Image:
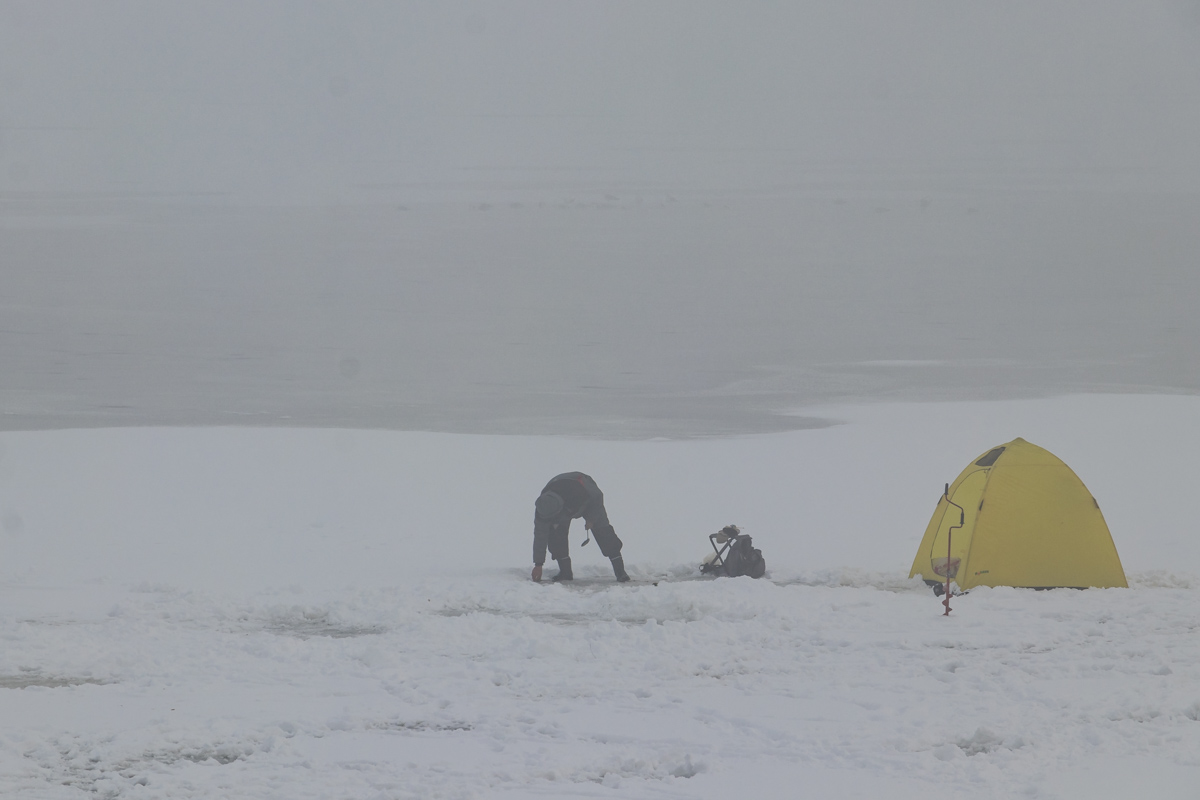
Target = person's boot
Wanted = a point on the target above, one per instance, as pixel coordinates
(618, 563)
(564, 571)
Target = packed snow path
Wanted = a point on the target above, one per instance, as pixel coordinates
(494, 686)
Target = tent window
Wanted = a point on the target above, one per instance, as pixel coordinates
(990, 458)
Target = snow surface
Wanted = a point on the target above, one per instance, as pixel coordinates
(273, 613)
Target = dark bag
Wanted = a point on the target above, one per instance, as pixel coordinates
(737, 557)
(744, 559)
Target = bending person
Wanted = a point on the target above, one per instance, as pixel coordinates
(566, 497)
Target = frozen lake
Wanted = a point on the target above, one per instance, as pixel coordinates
(632, 312)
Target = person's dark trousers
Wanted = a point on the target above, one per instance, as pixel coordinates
(606, 540)
(564, 571)
(610, 545)
(556, 540)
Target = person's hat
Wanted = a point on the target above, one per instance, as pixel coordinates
(548, 505)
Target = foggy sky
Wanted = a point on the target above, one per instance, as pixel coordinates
(641, 218)
(290, 99)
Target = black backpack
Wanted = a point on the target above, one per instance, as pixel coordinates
(744, 558)
(739, 556)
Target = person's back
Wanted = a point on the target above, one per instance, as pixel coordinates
(576, 489)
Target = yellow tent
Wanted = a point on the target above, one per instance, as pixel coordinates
(1026, 520)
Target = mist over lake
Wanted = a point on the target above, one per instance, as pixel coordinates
(618, 220)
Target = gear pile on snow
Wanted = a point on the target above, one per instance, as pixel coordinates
(733, 554)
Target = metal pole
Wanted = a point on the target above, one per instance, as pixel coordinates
(962, 520)
(946, 599)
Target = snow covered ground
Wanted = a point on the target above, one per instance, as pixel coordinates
(274, 613)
